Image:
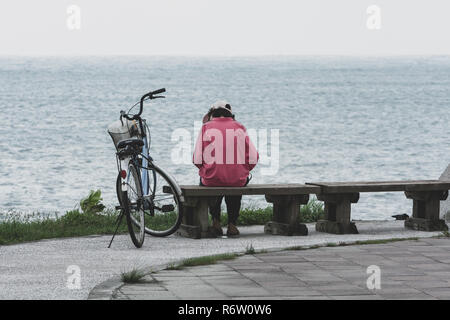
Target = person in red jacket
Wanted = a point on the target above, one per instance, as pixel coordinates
(225, 156)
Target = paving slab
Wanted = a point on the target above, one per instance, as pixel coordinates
(438, 293)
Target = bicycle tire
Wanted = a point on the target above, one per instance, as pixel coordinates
(119, 190)
(134, 214)
(178, 211)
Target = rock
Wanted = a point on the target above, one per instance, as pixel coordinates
(426, 225)
(445, 205)
(400, 216)
(284, 229)
(336, 227)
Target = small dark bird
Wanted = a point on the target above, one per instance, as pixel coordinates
(400, 216)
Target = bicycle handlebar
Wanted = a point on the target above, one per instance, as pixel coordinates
(150, 95)
(162, 90)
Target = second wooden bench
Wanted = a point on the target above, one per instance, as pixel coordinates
(338, 197)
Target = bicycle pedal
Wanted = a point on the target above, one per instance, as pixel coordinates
(167, 189)
(146, 205)
(167, 208)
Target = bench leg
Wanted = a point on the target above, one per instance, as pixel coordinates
(285, 215)
(195, 223)
(337, 213)
(425, 215)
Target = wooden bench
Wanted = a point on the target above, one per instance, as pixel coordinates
(338, 197)
(286, 199)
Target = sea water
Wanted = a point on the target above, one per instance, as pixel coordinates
(339, 119)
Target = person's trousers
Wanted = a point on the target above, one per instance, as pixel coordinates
(233, 206)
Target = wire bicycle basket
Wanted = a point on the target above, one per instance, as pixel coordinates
(124, 129)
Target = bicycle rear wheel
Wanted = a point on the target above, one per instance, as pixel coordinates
(132, 203)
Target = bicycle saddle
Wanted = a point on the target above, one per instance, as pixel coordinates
(133, 142)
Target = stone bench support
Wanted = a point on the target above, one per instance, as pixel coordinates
(195, 222)
(425, 215)
(337, 213)
(286, 210)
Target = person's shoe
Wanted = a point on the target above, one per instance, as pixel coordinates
(217, 228)
(232, 231)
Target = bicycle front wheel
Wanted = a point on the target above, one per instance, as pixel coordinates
(164, 213)
(132, 204)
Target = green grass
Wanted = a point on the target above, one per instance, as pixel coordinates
(250, 249)
(362, 242)
(315, 246)
(206, 260)
(384, 241)
(312, 211)
(17, 229)
(173, 266)
(90, 221)
(331, 244)
(91, 218)
(133, 276)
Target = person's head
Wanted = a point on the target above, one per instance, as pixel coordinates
(221, 109)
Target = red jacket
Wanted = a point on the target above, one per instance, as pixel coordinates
(224, 153)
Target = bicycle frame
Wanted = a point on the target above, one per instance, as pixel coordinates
(145, 167)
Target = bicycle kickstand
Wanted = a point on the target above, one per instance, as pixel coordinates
(118, 221)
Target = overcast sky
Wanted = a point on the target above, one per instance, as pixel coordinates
(231, 27)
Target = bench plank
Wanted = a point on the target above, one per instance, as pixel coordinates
(381, 186)
(253, 189)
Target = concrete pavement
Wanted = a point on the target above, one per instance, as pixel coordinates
(408, 270)
(44, 269)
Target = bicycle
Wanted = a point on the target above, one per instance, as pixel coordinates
(149, 197)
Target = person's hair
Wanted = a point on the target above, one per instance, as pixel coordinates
(220, 112)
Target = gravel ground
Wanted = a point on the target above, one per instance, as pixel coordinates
(39, 270)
